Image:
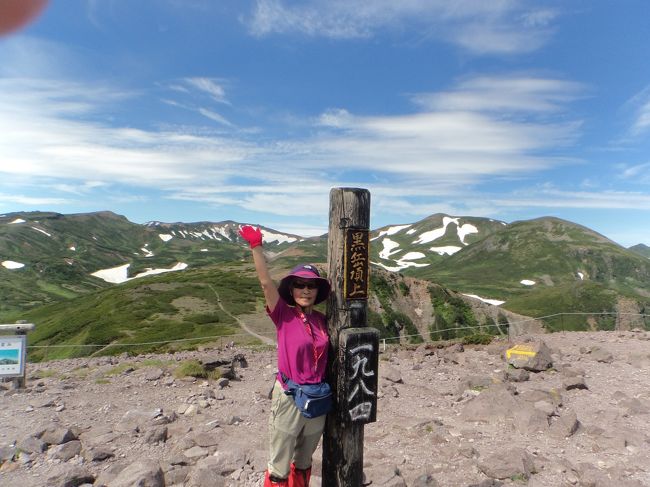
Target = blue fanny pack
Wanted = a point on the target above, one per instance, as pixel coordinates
(312, 400)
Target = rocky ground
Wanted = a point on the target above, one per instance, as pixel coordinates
(448, 417)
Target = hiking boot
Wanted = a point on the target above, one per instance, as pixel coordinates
(299, 477)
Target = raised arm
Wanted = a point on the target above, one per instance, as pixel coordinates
(254, 238)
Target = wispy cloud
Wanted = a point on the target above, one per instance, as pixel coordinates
(642, 122)
(210, 86)
(523, 94)
(557, 198)
(639, 173)
(478, 26)
(22, 199)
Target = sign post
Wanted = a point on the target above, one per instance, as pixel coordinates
(353, 368)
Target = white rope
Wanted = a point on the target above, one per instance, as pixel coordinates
(214, 337)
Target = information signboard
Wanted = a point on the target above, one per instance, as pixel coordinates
(12, 355)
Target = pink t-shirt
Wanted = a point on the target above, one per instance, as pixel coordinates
(301, 357)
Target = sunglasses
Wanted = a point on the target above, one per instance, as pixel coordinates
(303, 285)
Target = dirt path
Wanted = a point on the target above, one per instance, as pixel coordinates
(264, 339)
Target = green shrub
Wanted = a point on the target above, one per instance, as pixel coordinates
(477, 339)
(190, 368)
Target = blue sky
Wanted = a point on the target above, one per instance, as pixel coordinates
(192, 110)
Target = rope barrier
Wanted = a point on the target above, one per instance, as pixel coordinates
(271, 334)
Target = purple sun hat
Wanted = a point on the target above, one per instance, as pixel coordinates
(304, 271)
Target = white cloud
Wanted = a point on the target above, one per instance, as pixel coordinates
(514, 94)
(210, 86)
(639, 173)
(556, 198)
(32, 200)
(51, 133)
(212, 115)
(642, 122)
(476, 25)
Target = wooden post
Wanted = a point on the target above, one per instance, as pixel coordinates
(354, 351)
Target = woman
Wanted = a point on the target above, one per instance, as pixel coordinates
(303, 344)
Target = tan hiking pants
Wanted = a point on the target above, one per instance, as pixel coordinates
(292, 437)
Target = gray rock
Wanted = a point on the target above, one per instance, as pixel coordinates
(575, 382)
(57, 435)
(206, 439)
(390, 373)
(496, 402)
(546, 407)
(142, 473)
(510, 463)
(154, 374)
(97, 453)
(635, 406)
(474, 382)
(226, 462)
(177, 475)
(32, 445)
(565, 425)
(533, 355)
(517, 375)
(195, 453)
(70, 476)
(425, 480)
(157, 434)
(107, 476)
(601, 355)
(7, 453)
(66, 451)
(529, 419)
(135, 420)
(206, 474)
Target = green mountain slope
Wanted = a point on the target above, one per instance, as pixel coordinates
(174, 306)
(641, 249)
(544, 266)
(428, 241)
(59, 253)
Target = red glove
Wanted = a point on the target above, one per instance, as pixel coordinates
(252, 235)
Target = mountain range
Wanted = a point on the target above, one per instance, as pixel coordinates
(532, 268)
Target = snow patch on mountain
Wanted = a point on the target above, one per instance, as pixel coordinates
(449, 250)
(494, 302)
(149, 272)
(114, 275)
(436, 233)
(16, 221)
(413, 256)
(10, 264)
(146, 251)
(392, 231)
(464, 230)
(390, 247)
(73, 248)
(42, 231)
(165, 237)
(268, 237)
(401, 264)
(119, 274)
(527, 282)
(581, 276)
